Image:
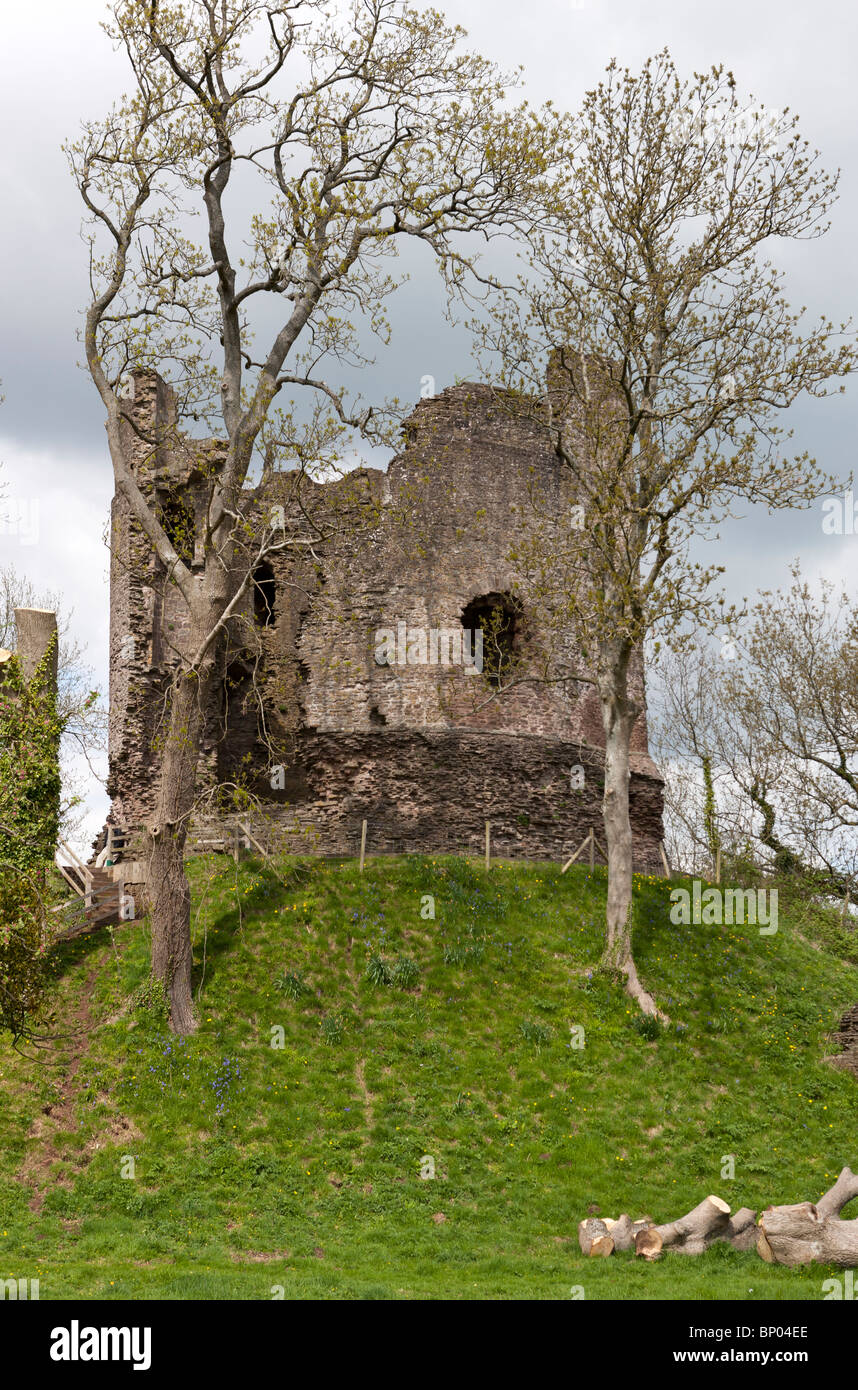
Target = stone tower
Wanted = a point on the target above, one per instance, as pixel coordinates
(358, 675)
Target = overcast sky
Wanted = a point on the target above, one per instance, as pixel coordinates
(57, 68)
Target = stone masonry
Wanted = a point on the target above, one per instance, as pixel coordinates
(418, 748)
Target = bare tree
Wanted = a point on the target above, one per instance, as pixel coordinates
(775, 732)
(670, 350)
(795, 694)
(355, 127)
(712, 767)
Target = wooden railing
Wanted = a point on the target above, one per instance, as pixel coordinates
(84, 888)
(79, 876)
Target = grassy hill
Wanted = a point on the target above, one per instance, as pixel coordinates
(297, 1167)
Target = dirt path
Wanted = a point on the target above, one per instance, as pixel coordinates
(43, 1149)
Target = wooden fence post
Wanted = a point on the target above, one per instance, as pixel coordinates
(580, 850)
(362, 844)
(251, 839)
(592, 849)
(488, 845)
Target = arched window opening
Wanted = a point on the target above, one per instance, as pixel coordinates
(498, 616)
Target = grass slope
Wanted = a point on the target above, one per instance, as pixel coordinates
(294, 1170)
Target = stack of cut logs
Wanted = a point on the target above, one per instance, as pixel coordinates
(789, 1235)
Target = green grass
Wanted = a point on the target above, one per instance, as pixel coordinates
(298, 1167)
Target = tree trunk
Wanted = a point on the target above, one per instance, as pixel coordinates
(710, 809)
(36, 629)
(691, 1234)
(800, 1234)
(169, 893)
(742, 1230)
(618, 717)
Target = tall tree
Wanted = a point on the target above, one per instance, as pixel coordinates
(349, 129)
(670, 350)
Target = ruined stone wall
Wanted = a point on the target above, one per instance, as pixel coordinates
(421, 751)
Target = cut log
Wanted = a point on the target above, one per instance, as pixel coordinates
(623, 1231)
(798, 1234)
(648, 1243)
(806, 1233)
(690, 1235)
(741, 1230)
(694, 1233)
(594, 1237)
(832, 1202)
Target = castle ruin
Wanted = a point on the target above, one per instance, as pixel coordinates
(354, 670)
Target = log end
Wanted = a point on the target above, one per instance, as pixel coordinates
(648, 1243)
(764, 1250)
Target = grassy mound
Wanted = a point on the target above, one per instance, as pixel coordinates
(383, 1103)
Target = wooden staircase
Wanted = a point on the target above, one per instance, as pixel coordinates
(98, 894)
(103, 906)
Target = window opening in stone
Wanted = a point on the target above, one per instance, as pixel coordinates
(237, 684)
(177, 519)
(264, 594)
(498, 616)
